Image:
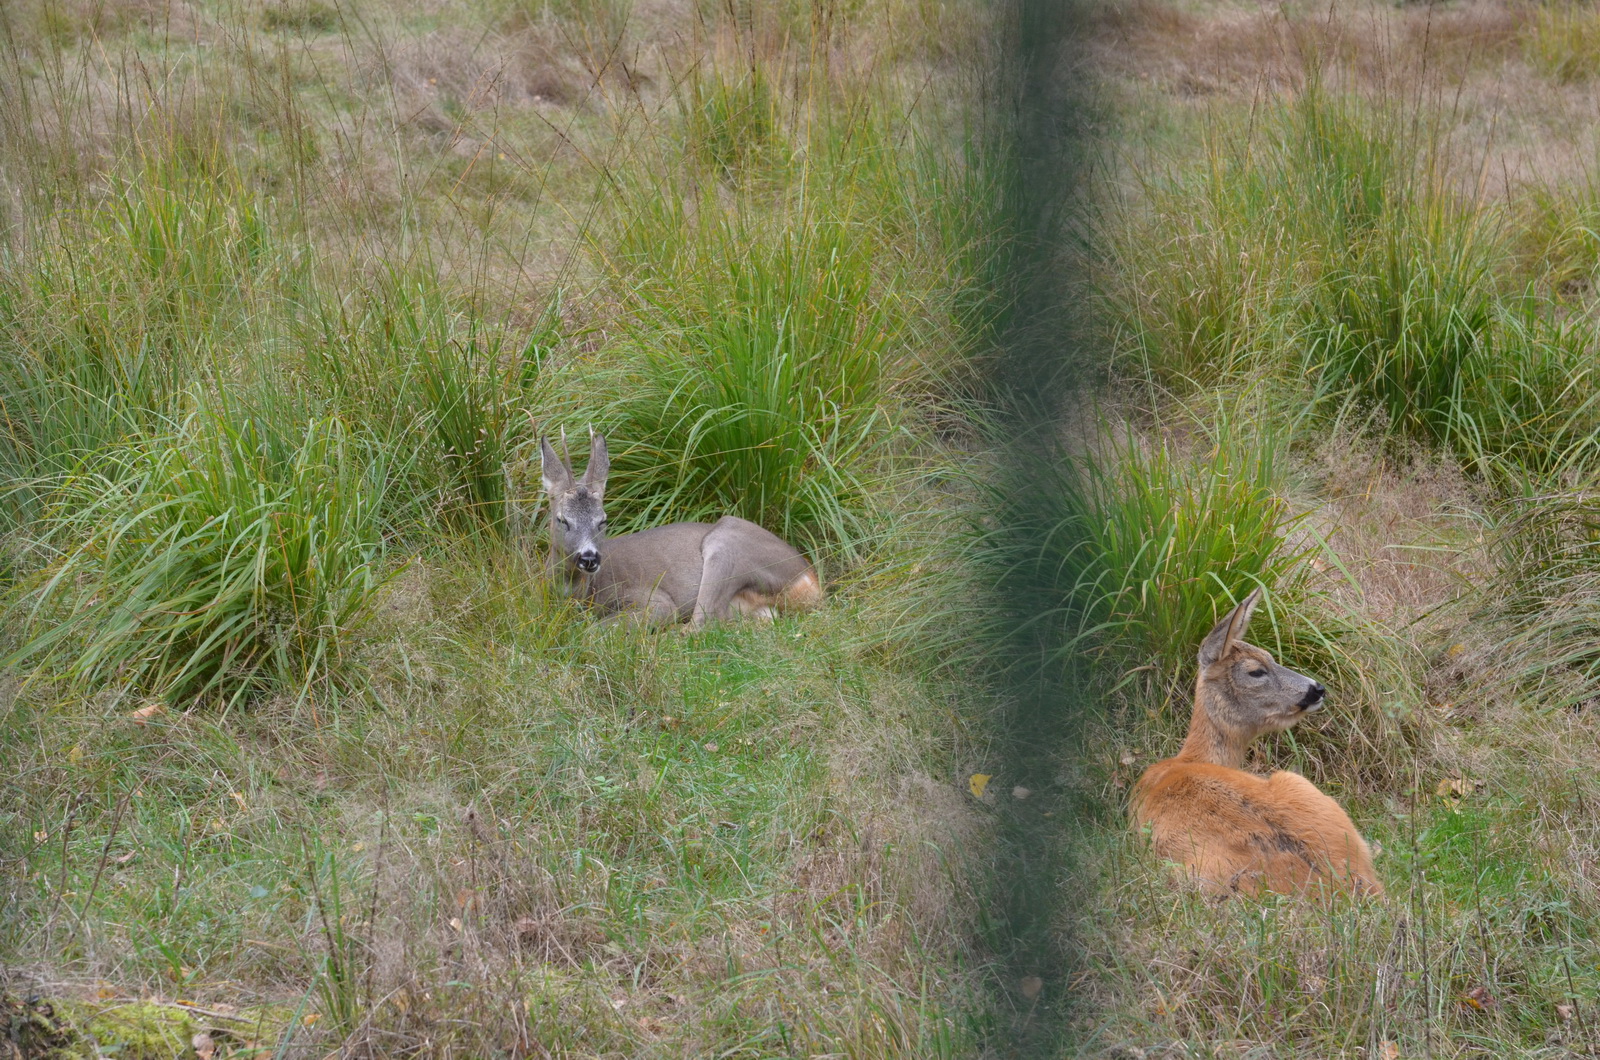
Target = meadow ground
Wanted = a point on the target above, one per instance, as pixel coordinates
(1348, 262)
(294, 730)
(303, 758)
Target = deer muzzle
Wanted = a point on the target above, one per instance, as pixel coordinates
(588, 561)
(1313, 697)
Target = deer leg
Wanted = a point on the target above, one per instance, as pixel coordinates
(720, 579)
(648, 608)
(753, 605)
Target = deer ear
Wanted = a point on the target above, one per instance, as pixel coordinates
(594, 476)
(553, 470)
(1229, 630)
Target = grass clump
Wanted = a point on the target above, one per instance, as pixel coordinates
(1328, 253)
(429, 379)
(227, 559)
(1400, 322)
(112, 309)
(302, 16)
(1139, 549)
(732, 122)
(1214, 262)
(1563, 42)
(762, 377)
(1546, 597)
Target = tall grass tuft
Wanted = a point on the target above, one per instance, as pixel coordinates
(761, 379)
(1140, 549)
(232, 557)
(432, 381)
(111, 314)
(1546, 598)
(1325, 250)
(1401, 321)
(732, 122)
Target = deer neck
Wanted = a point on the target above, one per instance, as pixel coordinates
(1207, 742)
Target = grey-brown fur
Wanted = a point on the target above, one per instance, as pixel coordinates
(681, 572)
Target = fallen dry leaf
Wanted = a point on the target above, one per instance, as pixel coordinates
(977, 783)
(1030, 986)
(1565, 1013)
(1388, 1050)
(1020, 792)
(1477, 999)
(204, 1047)
(148, 711)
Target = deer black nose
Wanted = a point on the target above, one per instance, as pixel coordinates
(588, 561)
(1313, 695)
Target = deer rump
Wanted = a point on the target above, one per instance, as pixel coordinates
(1240, 833)
(741, 567)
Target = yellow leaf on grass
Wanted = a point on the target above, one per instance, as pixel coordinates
(145, 713)
(977, 783)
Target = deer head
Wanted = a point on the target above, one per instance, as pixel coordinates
(1242, 692)
(577, 509)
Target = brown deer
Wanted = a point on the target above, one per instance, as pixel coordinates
(1237, 831)
(694, 572)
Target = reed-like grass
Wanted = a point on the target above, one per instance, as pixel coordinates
(229, 558)
(731, 121)
(759, 385)
(1141, 547)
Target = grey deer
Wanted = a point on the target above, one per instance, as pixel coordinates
(694, 572)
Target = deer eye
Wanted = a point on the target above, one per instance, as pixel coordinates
(1258, 673)
(565, 524)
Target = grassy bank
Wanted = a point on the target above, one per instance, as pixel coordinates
(288, 292)
(1349, 293)
(294, 730)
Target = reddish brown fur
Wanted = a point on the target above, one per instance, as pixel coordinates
(802, 594)
(1236, 831)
